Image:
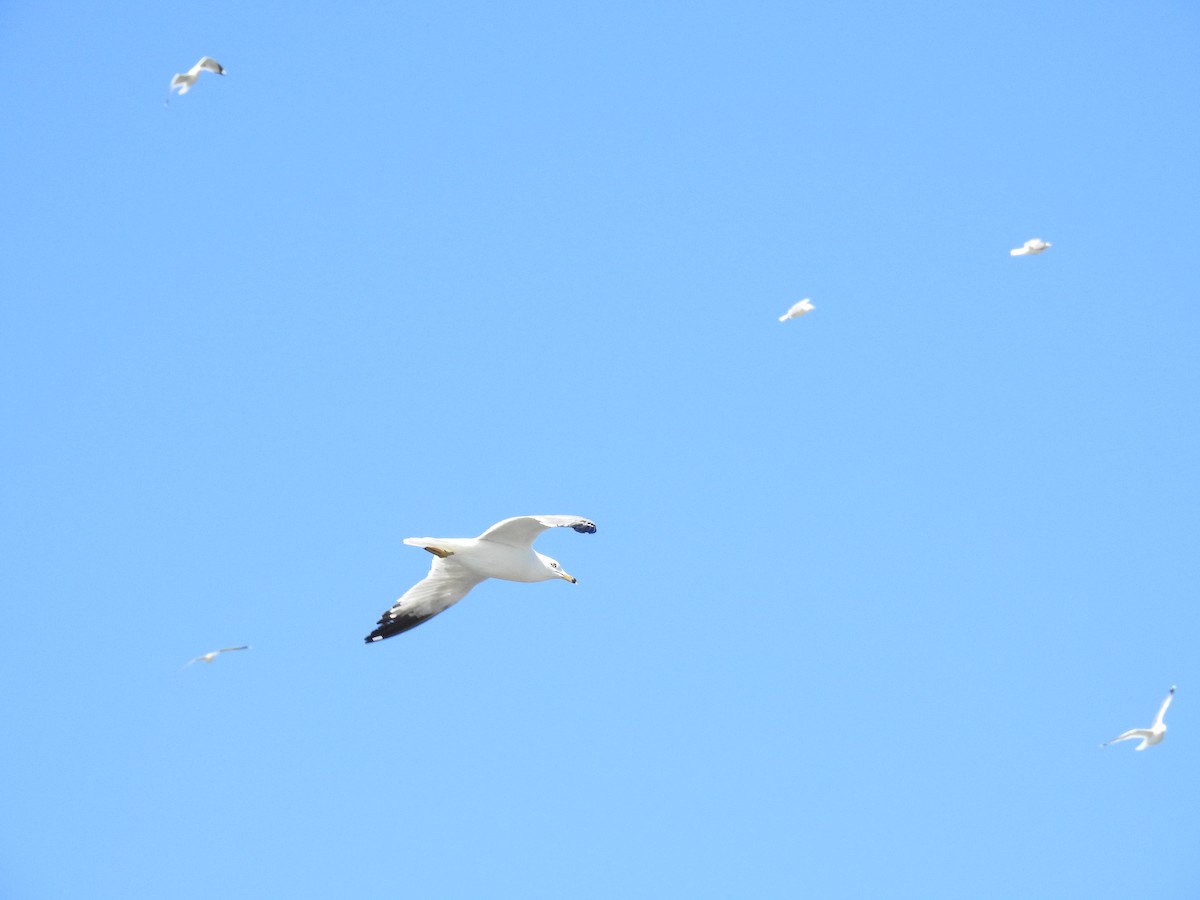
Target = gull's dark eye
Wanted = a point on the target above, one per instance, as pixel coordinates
(554, 565)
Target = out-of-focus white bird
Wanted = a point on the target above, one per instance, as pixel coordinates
(209, 657)
(798, 310)
(1149, 736)
(185, 80)
(1031, 248)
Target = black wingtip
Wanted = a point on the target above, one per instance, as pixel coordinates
(391, 627)
(585, 528)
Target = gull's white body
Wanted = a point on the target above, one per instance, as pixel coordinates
(209, 657)
(504, 551)
(1031, 248)
(1149, 736)
(183, 82)
(799, 309)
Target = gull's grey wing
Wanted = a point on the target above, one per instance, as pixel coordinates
(521, 531)
(207, 62)
(448, 582)
(227, 649)
(1163, 709)
(1129, 735)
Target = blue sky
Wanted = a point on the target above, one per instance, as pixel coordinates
(868, 588)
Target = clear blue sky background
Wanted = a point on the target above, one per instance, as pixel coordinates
(869, 588)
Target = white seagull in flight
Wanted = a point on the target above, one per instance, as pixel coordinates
(504, 551)
(185, 80)
(1149, 736)
(797, 310)
(1031, 248)
(209, 657)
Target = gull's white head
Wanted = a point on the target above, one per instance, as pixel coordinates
(554, 569)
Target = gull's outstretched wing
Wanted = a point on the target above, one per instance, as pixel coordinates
(207, 62)
(1129, 735)
(1020, 251)
(210, 656)
(1163, 709)
(179, 81)
(521, 531)
(448, 582)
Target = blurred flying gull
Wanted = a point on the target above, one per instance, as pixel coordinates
(185, 80)
(797, 310)
(1031, 248)
(1149, 736)
(504, 551)
(209, 657)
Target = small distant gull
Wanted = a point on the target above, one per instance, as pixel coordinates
(1149, 736)
(185, 80)
(1031, 248)
(209, 657)
(504, 551)
(797, 310)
